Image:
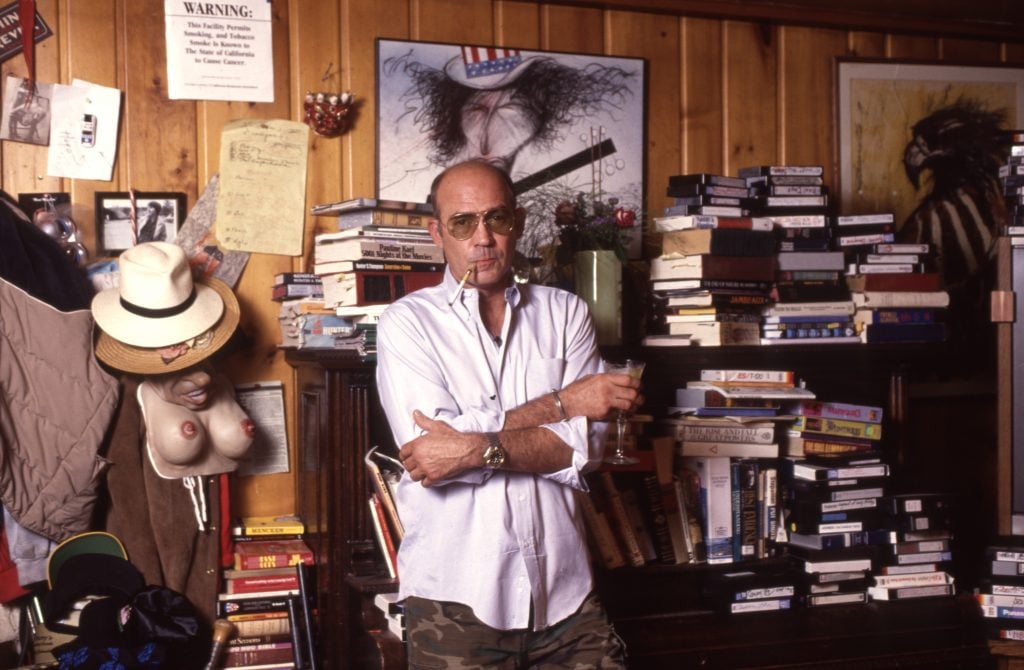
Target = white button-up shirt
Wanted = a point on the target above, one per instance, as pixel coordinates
(490, 539)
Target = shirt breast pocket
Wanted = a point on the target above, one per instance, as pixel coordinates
(543, 376)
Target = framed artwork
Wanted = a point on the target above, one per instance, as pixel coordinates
(889, 112)
(559, 123)
(156, 217)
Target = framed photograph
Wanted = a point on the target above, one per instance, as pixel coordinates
(559, 123)
(25, 117)
(890, 114)
(155, 217)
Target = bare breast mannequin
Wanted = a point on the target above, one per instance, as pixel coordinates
(194, 426)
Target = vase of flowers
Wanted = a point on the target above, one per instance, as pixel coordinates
(591, 240)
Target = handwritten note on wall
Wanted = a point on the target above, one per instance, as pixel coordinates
(261, 196)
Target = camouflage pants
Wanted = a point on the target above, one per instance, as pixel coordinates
(447, 635)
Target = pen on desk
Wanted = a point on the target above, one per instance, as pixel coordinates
(462, 283)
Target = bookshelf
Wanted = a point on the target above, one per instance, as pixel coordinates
(655, 607)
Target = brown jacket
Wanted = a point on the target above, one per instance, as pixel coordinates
(55, 407)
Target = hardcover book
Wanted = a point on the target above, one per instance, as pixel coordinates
(327, 248)
(718, 241)
(257, 526)
(750, 268)
(370, 288)
(271, 554)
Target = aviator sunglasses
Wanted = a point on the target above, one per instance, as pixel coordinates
(500, 221)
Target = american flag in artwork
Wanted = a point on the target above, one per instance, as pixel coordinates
(482, 61)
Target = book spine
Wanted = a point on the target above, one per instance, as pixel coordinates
(665, 547)
(257, 584)
(600, 532)
(276, 625)
(272, 559)
(296, 278)
(373, 288)
(747, 528)
(383, 250)
(383, 491)
(620, 521)
(699, 433)
(716, 501)
(687, 483)
(254, 605)
(833, 410)
(839, 427)
(383, 534)
(634, 512)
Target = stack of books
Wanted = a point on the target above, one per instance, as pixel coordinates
(823, 428)
(706, 194)
(726, 426)
(1001, 593)
(765, 587)
(811, 322)
(385, 471)
(356, 212)
(307, 323)
(291, 285)
(381, 251)
(897, 291)
(785, 190)
(833, 524)
(1012, 176)
(714, 272)
(917, 559)
(263, 594)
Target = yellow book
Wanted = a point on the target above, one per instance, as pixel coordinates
(256, 526)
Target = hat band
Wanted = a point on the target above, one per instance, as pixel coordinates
(160, 313)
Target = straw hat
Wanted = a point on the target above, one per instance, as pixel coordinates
(157, 304)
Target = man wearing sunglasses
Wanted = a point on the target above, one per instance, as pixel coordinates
(494, 391)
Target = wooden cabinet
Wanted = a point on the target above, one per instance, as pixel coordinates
(655, 608)
(339, 420)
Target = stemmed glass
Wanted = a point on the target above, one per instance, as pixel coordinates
(634, 369)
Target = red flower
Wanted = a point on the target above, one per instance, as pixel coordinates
(625, 218)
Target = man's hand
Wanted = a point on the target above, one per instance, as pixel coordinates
(439, 453)
(600, 396)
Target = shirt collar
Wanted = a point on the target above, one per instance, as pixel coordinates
(451, 291)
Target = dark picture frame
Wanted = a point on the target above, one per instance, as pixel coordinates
(594, 143)
(158, 216)
(877, 104)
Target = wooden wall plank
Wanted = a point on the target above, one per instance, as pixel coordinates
(160, 135)
(970, 51)
(702, 105)
(82, 28)
(362, 23)
(913, 47)
(433, 21)
(750, 53)
(517, 24)
(261, 360)
(315, 55)
(807, 81)
(573, 29)
(655, 39)
(866, 45)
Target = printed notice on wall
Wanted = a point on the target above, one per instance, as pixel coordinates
(264, 403)
(219, 50)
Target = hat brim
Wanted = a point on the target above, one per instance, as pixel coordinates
(147, 361)
(455, 69)
(93, 542)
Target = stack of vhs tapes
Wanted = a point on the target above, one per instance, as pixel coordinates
(1001, 594)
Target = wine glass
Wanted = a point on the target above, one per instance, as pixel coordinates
(634, 369)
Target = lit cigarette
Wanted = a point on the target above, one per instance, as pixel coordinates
(462, 283)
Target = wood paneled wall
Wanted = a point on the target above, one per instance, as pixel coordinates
(721, 94)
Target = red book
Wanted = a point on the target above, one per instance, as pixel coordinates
(884, 281)
(271, 554)
(261, 583)
(387, 543)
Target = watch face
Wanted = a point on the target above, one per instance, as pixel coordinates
(494, 454)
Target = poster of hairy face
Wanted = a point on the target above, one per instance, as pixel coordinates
(560, 124)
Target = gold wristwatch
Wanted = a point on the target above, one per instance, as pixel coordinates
(494, 454)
